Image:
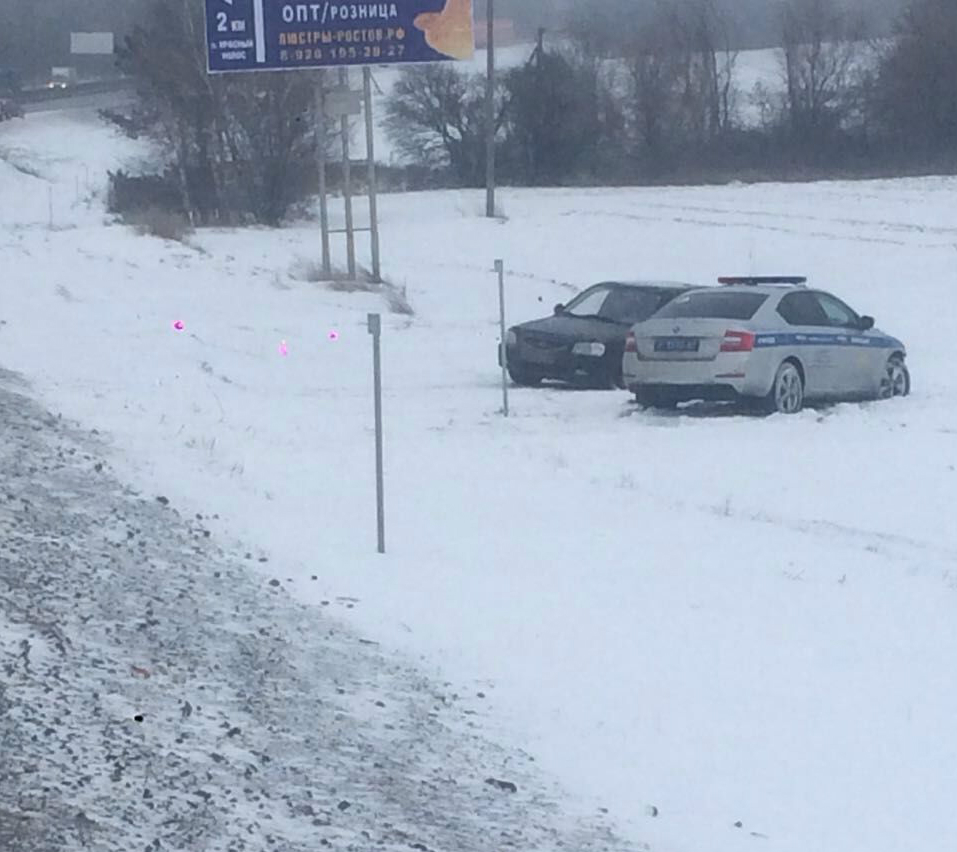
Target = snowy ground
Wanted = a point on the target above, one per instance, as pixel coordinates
(731, 632)
(158, 694)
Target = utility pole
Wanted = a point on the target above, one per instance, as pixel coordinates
(490, 112)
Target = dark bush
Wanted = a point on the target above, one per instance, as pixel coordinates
(156, 222)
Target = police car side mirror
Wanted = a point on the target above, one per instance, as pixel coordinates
(559, 309)
(866, 323)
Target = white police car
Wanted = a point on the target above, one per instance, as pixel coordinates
(770, 339)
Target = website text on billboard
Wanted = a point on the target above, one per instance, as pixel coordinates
(270, 35)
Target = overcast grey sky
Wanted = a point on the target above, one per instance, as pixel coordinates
(757, 20)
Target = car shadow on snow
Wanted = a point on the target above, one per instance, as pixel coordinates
(700, 409)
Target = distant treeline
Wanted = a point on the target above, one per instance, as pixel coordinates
(757, 22)
(649, 99)
(654, 98)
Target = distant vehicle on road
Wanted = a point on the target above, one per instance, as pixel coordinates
(62, 77)
(583, 342)
(765, 339)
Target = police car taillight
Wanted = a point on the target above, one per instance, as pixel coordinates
(737, 341)
(631, 345)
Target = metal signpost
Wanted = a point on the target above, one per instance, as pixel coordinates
(347, 180)
(321, 167)
(490, 110)
(503, 349)
(375, 329)
(370, 156)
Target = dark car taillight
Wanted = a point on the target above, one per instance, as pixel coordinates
(631, 344)
(737, 341)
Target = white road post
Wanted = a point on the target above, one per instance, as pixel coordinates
(375, 329)
(500, 269)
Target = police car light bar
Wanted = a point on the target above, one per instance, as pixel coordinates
(755, 280)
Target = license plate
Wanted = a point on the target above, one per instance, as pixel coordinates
(676, 344)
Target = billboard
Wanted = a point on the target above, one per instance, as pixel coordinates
(278, 35)
(92, 44)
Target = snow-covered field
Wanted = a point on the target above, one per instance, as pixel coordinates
(730, 632)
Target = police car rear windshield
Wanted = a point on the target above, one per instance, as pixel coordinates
(719, 304)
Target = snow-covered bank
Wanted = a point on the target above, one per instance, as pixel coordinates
(158, 694)
(711, 619)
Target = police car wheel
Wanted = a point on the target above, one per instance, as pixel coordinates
(787, 391)
(896, 378)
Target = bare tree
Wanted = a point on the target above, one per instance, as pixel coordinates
(821, 51)
(915, 92)
(654, 75)
(563, 121)
(435, 116)
(239, 144)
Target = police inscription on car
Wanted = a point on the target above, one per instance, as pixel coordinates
(676, 344)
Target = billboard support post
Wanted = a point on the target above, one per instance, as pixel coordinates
(321, 163)
(347, 183)
(370, 150)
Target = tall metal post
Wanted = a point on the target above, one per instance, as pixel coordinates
(500, 269)
(370, 149)
(490, 112)
(375, 329)
(321, 164)
(347, 184)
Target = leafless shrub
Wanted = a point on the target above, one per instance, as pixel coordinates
(156, 222)
(340, 281)
(397, 299)
(307, 269)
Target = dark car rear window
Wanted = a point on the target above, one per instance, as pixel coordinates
(718, 304)
(634, 304)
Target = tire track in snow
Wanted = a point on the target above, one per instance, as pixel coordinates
(755, 226)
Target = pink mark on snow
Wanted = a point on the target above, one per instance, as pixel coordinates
(283, 348)
(179, 325)
(333, 335)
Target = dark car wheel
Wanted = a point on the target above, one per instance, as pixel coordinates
(608, 378)
(524, 376)
(896, 378)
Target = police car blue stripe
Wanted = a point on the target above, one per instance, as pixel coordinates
(791, 339)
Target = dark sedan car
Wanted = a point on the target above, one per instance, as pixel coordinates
(584, 341)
